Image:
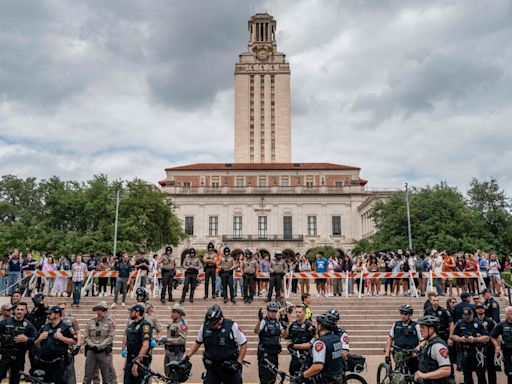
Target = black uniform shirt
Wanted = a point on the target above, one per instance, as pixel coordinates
(136, 333)
(473, 328)
(51, 348)
(445, 319)
(503, 329)
(492, 309)
(9, 329)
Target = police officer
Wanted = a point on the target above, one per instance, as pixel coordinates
(70, 320)
(404, 334)
(489, 324)
(227, 266)
(249, 269)
(471, 336)
(504, 349)
(277, 270)
(209, 269)
(225, 347)
(191, 265)
(300, 335)
(98, 339)
(37, 318)
(15, 298)
(167, 265)
(434, 362)
(176, 337)
(445, 326)
(326, 353)
(156, 326)
(343, 335)
(270, 330)
(54, 341)
(16, 335)
(136, 344)
(141, 295)
(465, 298)
(492, 307)
(6, 310)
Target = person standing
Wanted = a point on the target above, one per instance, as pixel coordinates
(104, 266)
(142, 267)
(489, 324)
(176, 340)
(17, 335)
(54, 340)
(78, 271)
(191, 265)
(37, 317)
(504, 348)
(227, 266)
(445, 327)
(295, 269)
(124, 268)
(70, 320)
(300, 334)
(136, 344)
(277, 270)
(492, 307)
(321, 267)
(98, 340)
(304, 266)
(249, 269)
(61, 282)
(209, 269)
(223, 355)
(14, 273)
(167, 265)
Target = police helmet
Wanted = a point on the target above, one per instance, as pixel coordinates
(142, 294)
(272, 306)
(168, 249)
(278, 255)
(192, 251)
(406, 308)
(179, 371)
(248, 253)
(210, 246)
(327, 321)
(213, 314)
(227, 250)
(335, 314)
(429, 321)
(38, 300)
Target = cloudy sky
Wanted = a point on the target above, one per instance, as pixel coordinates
(417, 91)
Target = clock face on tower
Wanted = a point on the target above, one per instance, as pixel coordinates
(262, 54)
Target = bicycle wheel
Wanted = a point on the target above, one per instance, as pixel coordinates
(354, 378)
(383, 374)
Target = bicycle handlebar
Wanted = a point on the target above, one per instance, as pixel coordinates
(157, 375)
(32, 379)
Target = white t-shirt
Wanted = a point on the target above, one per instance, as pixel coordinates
(263, 323)
(438, 264)
(418, 333)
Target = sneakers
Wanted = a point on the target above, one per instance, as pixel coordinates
(113, 305)
(317, 295)
(123, 304)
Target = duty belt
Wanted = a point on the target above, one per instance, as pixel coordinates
(175, 348)
(51, 361)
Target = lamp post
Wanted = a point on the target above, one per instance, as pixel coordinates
(116, 221)
(408, 215)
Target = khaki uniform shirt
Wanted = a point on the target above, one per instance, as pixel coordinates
(154, 323)
(177, 332)
(278, 266)
(250, 266)
(192, 262)
(99, 333)
(209, 257)
(167, 262)
(226, 263)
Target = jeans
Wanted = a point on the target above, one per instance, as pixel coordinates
(77, 291)
(439, 287)
(237, 281)
(121, 285)
(12, 278)
(218, 285)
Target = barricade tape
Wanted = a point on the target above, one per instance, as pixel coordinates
(467, 275)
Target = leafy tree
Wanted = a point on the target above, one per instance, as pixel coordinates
(326, 249)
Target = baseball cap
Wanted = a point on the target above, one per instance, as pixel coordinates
(54, 309)
(7, 307)
(487, 290)
(464, 295)
(480, 305)
(137, 307)
(467, 312)
(101, 305)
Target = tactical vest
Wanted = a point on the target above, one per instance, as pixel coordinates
(38, 317)
(406, 336)
(51, 348)
(442, 316)
(220, 344)
(507, 335)
(12, 329)
(333, 365)
(270, 337)
(299, 333)
(134, 336)
(429, 364)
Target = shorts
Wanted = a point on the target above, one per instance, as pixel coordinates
(320, 281)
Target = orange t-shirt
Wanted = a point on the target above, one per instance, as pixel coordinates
(449, 264)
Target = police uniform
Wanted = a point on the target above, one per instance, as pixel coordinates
(406, 336)
(269, 347)
(13, 354)
(504, 329)
(98, 338)
(489, 324)
(459, 309)
(191, 265)
(277, 271)
(137, 332)
(300, 333)
(469, 351)
(53, 355)
(492, 309)
(175, 344)
(250, 267)
(445, 319)
(221, 350)
(327, 350)
(209, 272)
(433, 356)
(226, 274)
(70, 320)
(168, 272)
(112, 370)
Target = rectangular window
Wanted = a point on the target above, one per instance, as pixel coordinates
(285, 181)
(336, 225)
(187, 185)
(311, 225)
(213, 225)
(287, 227)
(237, 227)
(240, 180)
(262, 227)
(338, 184)
(262, 181)
(189, 225)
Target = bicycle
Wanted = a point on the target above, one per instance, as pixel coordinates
(36, 378)
(400, 374)
(176, 377)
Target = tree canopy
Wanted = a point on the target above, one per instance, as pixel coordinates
(70, 217)
(443, 218)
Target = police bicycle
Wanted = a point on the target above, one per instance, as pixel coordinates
(400, 374)
(351, 378)
(36, 378)
(180, 372)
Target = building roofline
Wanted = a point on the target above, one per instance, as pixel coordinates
(264, 167)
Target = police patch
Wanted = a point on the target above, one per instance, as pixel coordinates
(146, 328)
(345, 339)
(319, 347)
(495, 305)
(183, 327)
(443, 352)
(475, 325)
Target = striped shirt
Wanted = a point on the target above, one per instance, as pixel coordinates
(79, 270)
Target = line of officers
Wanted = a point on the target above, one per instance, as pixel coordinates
(468, 336)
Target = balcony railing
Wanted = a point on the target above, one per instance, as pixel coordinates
(263, 238)
(233, 190)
